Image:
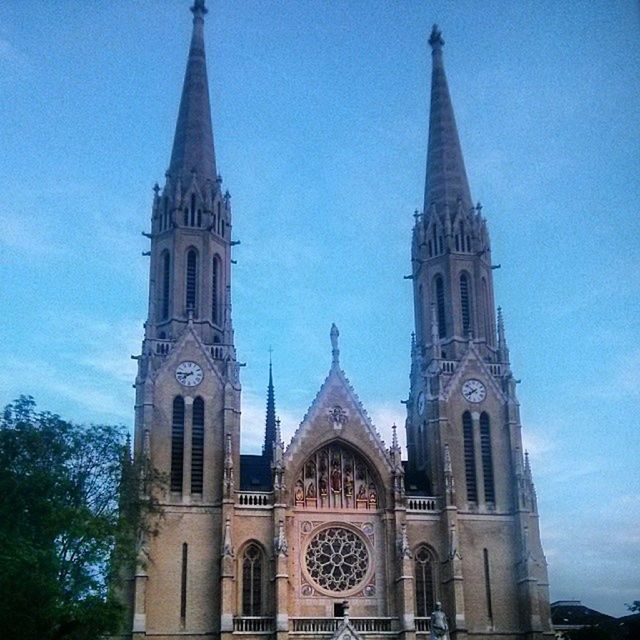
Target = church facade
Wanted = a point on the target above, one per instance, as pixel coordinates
(332, 534)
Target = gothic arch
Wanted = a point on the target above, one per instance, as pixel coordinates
(252, 583)
(440, 300)
(425, 566)
(466, 303)
(191, 277)
(216, 290)
(338, 475)
(165, 284)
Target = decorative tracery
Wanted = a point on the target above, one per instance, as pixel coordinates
(337, 559)
(338, 478)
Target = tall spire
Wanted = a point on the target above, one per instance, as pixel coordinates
(271, 427)
(193, 140)
(446, 181)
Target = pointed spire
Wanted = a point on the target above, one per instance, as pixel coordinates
(503, 349)
(446, 180)
(271, 427)
(193, 141)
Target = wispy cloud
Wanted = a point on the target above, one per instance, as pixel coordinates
(23, 237)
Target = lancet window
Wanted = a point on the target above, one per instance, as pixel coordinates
(487, 459)
(469, 457)
(465, 304)
(252, 581)
(177, 443)
(197, 445)
(215, 291)
(335, 477)
(191, 280)
(442, 321)
(425, 582)
(166, 276)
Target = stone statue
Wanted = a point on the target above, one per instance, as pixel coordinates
(438, 627)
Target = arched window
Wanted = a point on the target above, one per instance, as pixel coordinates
(177, 443)
(483, 311)
(164, 285)
(191, 280)
(487, 460)
(465, 304)
(420, 311)
(442, 324)
(215, 291)
(425, 582)
(193, 209)
(197, 445)
(469, 457)
(336, 477)
(252, 581)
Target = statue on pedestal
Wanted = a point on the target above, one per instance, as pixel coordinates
(438, 627)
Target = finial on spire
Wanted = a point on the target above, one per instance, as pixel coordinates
(334, 334)
(198, 9)
(435, 39)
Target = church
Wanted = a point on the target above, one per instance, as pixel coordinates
(333, 534)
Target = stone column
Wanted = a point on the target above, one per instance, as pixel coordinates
(281, 567)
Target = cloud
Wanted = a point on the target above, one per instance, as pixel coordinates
(60, 387)
(23, 237)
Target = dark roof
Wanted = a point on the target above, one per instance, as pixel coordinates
(255, 473)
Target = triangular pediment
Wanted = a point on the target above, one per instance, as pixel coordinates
(472, 363)
(188, 346)
(336, 412)
(346, 631)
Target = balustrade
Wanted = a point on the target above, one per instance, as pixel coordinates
(422, 625)
(253, 624)
(330, 625)
(254, 499)
(425, 504)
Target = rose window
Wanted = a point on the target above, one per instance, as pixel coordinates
(337, 559)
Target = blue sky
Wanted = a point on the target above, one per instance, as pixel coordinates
(320, 118)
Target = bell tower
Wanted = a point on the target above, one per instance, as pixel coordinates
(191, 221)
(187, 415)
(463, 425)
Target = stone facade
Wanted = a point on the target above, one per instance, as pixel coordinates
(334, 534)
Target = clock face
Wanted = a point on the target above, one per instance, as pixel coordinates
(422, 403)
(474, 391)
(189, 374)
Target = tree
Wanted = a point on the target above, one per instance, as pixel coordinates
(72, 509)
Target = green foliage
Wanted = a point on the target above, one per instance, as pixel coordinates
(71, 514)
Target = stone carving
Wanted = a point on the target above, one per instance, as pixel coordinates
(335, 477)
(338, 417)
(438, 626)
(280, 546)
(404, 550)
(227, 546)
